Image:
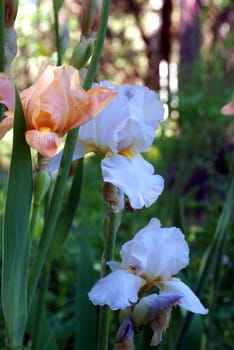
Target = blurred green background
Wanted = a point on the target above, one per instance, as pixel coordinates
(184, 50)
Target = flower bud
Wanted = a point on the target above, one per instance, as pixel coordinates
(125, 335)
(41, 184)
(159, 326)
(90, 16)
(82, 53)
(114, 197)
(149, 307)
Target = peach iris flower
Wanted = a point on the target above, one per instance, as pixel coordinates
(7, 98)
(56, 103)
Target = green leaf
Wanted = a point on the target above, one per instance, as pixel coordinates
(86, 315)
(57, 4)
(211, 260)
(68, 212)
(38, 326)
(16, 234)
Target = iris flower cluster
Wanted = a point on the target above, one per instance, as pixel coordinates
(143, 284)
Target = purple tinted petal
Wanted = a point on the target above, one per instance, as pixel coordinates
(148, 307)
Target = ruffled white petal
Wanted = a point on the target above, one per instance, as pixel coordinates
(135, 135)
(118, 290)
(129, 121)
(156, 252)
(144, 105)
(101, 132)
(189, 300)
(134, 177)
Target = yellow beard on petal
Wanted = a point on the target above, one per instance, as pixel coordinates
(127, 153)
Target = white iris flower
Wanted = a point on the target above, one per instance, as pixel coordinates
(119, 134)
(149, 260)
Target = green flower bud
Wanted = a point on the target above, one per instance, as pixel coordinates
(90, 17)
(82, 53)
(41, 184)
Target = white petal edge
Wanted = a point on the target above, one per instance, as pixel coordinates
(189, 300)
(135, 177)
(118, 290)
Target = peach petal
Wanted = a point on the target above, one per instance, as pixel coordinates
(99, 98)
(6, 125)
(46, 143)
(228, 109)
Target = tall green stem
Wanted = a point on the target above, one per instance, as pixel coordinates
(101, 34)
(53, 214)
(56, 8)
(111, 224)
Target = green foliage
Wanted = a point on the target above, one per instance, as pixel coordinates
(16, 239)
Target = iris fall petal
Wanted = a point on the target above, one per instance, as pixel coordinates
(189, 300)
(46, 143)
(118, 290)
(135, 177)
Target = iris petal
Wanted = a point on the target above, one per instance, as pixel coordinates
(118, 290)
(134, 177)
(155, 252)
(46, 143)
(189, 300)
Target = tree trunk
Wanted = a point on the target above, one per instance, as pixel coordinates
(189, 32)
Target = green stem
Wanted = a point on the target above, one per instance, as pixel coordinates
(53, 214)
(110, 228)
(101, 34)
(57, 35)
(34, 217)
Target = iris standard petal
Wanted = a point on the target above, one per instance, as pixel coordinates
(155, 252)
(135, 177)
(118, 290)
(101, 133)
